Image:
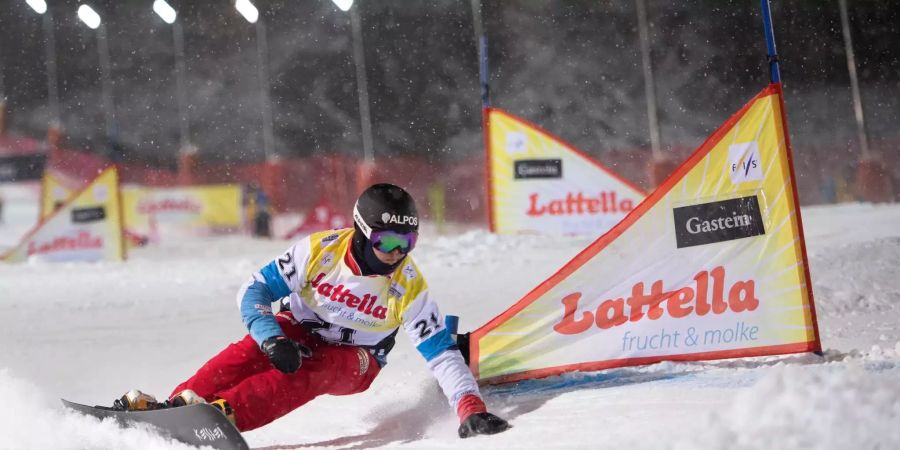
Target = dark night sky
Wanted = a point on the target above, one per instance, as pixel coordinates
(573, 67)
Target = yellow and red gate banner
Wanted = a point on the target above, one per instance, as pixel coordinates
(86, 227)
(538, 183)
(191, 208)
(711, 265)
(56, 188)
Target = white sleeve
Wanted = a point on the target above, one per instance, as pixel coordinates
(277, 279)
(286, 273)
(291, 266)
(424, 325)
(454, 376)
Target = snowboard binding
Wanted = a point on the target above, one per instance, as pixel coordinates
(135, 400)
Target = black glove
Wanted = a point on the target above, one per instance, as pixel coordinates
(482, 423)
(285, 354)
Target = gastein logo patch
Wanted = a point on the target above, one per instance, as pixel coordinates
(720, 221)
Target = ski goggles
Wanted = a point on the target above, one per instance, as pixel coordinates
(387, 241)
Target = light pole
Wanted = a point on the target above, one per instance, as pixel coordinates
(660, 166)
(169, 15)
(40, 7)
(246, 8)
(649, 85)
(92, 20)
(362, 90)
(873, 179)
(861, 131)
(2, 102)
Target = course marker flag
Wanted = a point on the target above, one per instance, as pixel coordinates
(87, 227)
(321, 217)
(538, 183)
(711, 265)
(55, 190)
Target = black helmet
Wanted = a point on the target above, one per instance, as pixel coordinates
(385, 207)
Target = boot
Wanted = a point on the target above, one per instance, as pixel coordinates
(186, 397)
(135, 400)
(222, 405)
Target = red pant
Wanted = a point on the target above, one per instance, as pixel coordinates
(259, 393)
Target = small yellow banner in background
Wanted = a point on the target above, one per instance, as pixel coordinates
(538, 183)
(195, 208)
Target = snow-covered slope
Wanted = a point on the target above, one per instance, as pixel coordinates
(89, 332)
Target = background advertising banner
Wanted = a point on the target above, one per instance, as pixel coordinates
(712, 265)
(196, 208)
(538, 183)
(22, 167)
(88, 227)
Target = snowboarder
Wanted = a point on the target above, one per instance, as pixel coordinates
(345, 294)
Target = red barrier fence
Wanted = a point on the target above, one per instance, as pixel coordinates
(824, 175)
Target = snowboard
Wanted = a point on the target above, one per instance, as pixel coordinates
(197, 425)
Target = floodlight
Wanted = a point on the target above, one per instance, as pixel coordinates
(164, 11)
(89, 16)
(344, 5)
(247, 10)
(39, 6)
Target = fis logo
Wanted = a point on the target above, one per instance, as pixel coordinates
(744, 163)
(516, 142)
(327, 258)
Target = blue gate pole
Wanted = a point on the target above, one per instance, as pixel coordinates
(482, 45)
(452, 324)
(484, 73)
(774, 69)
